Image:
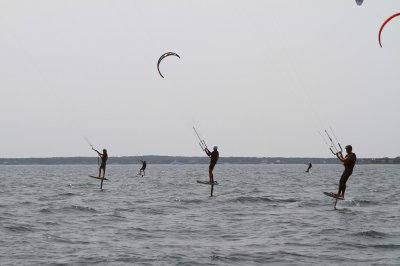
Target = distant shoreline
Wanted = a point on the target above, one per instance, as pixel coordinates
(159, 159)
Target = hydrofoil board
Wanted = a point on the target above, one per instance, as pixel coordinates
(92, 176)
(333, 195)
(206, 182)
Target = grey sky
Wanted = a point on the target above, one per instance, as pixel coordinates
(257, 78)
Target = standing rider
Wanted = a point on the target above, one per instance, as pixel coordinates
(103, 156)
(309, 167)
(143, 168)
(214, 156)
(348, 161)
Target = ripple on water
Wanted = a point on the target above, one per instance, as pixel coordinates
(261, 199)
(371, 234)
(76, 209)
(20, 228)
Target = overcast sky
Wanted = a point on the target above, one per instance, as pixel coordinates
(257, 78)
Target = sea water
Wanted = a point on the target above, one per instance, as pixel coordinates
(259, 215)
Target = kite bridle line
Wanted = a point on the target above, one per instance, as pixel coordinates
(332, 143)
(326, 143)
(91, 146)
(332, 147)
(202, 143)
(334, 135)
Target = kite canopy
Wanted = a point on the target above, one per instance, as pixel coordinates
(162, 57)
(383, 25)
(359, 2)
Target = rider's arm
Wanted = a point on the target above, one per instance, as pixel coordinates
(340, 156)
(97, 152)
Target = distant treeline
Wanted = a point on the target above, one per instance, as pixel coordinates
(156, 159)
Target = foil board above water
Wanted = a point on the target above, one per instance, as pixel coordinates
(333, 195)
(206, 182)
(92, 176)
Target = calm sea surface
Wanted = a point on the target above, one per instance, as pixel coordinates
(259, 215)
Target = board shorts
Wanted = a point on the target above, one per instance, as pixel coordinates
(103, 166)
(345, 176)
(212, 165)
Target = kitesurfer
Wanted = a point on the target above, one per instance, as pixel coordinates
(309, 167)
(348, 161)
(144, 164)
(103, 160)
(214, 156)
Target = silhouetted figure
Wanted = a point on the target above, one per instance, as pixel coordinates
(142, 170)
(103, 160)
(309, 167)
(214, 156)
(348, 161)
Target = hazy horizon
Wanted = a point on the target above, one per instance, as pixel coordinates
(146, 157)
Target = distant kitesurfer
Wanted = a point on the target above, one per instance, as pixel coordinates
(214, 156)
(142, 170)
(309, 167)
(348, 161)
(103, 158)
